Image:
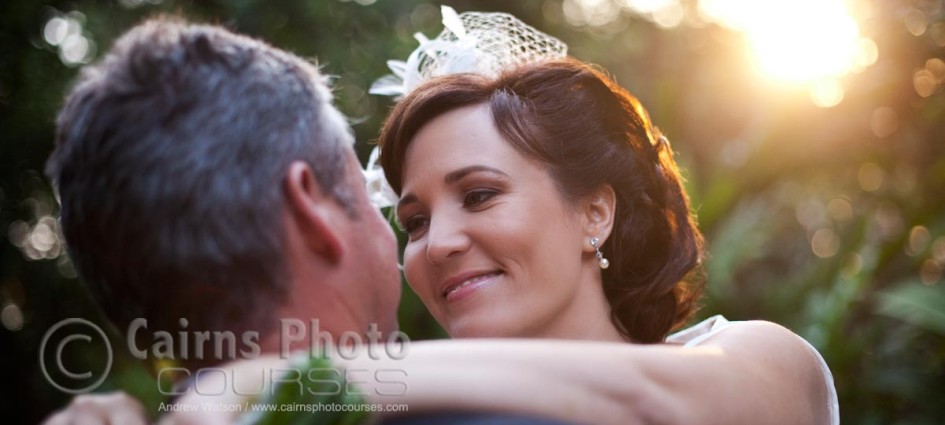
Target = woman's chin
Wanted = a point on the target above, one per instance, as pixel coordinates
(478, 328)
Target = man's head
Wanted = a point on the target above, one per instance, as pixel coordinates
(183, 160)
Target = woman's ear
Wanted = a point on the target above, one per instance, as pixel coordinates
(313, 212)
(597, 213)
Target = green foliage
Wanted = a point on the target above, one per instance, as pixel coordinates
(915, 304)
(324, 386)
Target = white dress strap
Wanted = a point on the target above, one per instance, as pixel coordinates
(702, 331)
(695, 335)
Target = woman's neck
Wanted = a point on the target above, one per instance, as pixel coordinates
(587, 318)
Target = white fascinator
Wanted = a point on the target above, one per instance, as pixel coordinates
(471, 42)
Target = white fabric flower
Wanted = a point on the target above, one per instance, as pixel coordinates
(473, 42)
(379, 191)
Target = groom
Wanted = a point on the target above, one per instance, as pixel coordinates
(205, 175)
(207, 183)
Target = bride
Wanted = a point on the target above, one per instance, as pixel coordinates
(540, 202)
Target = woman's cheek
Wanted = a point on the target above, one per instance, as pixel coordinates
(415, 271)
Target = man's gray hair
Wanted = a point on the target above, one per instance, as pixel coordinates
(169, 162)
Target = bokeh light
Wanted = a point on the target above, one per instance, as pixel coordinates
(930, 272)
(56, 30)
(928, 80)
(664, 13)
(932, 268)
(595, 13)
(884, 121)
(65, 33)
(825, 243)
(938, 250)
(12, 317)
(919, 238)
(840, 209)
(870, 177)
(811, 213)
(40, 241)
(916, 21)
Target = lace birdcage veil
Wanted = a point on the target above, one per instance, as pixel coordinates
(475, 42)
(471, 42)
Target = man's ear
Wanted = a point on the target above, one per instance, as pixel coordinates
(314, 212)
(597, 213)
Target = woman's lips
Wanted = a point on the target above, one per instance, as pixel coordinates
(465, 286)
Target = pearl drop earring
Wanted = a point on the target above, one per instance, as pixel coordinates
(601, 261)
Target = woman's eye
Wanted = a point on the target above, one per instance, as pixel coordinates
(414, 224)
(477, 197)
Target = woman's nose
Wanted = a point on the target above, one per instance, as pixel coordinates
(446, 238)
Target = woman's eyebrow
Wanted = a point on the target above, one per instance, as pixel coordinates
(457, 175)
(452, 178)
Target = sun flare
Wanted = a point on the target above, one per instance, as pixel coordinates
(798, 41)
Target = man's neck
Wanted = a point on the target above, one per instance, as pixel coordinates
(310, 334)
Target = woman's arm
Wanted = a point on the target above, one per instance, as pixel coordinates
(751, 373)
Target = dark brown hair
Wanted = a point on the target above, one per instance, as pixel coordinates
(590, 132)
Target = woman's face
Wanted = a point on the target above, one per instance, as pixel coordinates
(493, 248)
